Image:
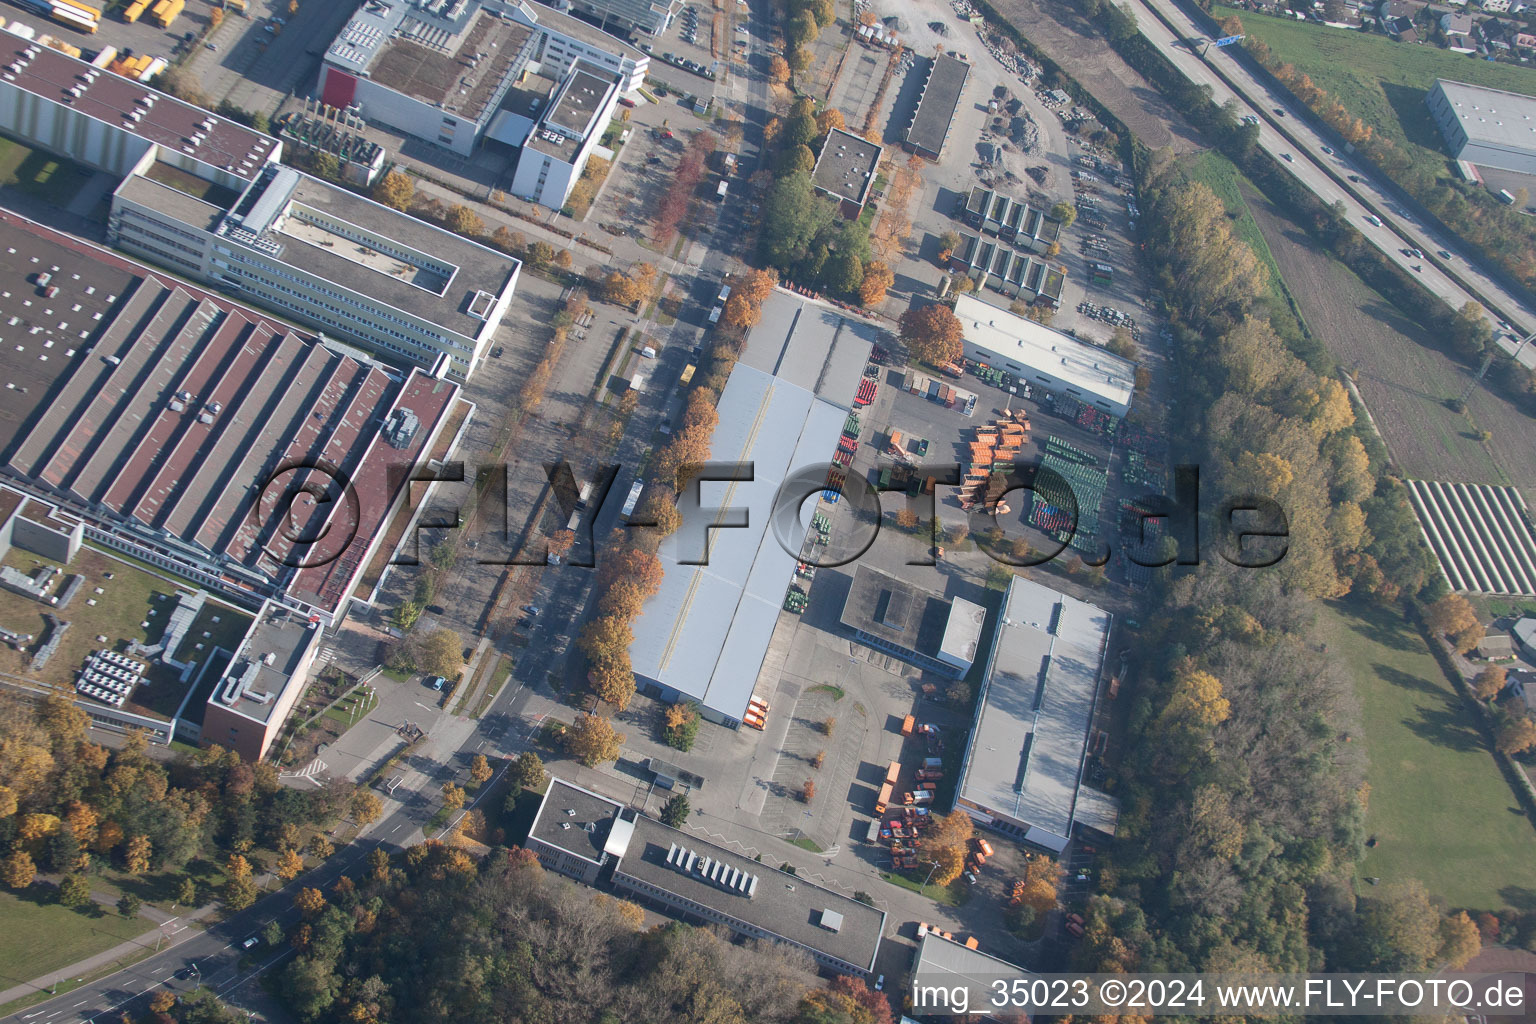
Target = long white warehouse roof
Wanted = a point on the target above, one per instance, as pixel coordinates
(1093, 371)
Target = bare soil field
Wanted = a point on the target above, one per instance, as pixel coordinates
(1064, 36)
(1404, 379)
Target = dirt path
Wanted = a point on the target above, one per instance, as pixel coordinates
(1404, 379)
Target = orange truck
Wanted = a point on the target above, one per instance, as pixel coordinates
(892, 773)
(883, 799)
(907, 724)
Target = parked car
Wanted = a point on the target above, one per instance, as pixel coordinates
(251, 943)
(437, 683)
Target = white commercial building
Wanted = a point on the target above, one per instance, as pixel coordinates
(1046, 357)
(1486, 127)
(1023, 771)
(556, 147)
(441, 71)
(318, 253)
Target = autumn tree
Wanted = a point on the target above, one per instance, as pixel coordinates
(480, 769)
(464, 221)
(612, 678)
(320, 847)
(778, 70)
(396, 190)
(365, 807)
(237, 867)
(591, 739)
(1064, 212)
(1516, 735)
(440, 653)
(1487, 683)
(877, 281)
(605, 637)
(1454, 618)
(136, 859)
(186, 892)
(453, 796)
(932, 333)
(290, 864)
(681, 725)
(1460, 940)
(808, 791)
(163, 999)
(946, 842)
(309, 901)
(17, 871)
(828, 119)
(527, 771)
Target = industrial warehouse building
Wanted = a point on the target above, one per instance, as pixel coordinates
(1044, 357)
(325, 256)
(1024, 761)
(1487, 127)
(947, 964)
(105, 121)
(936, 106)
(583, 835)
(913, 624)
(455, 74)
(151, 409)
(704, 635)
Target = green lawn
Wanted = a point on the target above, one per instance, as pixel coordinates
(1380, 81)
(49, 178)
(952, 895)
(1439, 808)
(44, 936)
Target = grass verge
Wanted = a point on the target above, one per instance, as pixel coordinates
(1439, 809)
(952, 895)
(38, 936)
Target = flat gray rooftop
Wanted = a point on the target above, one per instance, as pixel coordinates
(574, 820)
(846, 166)
(941, 961)
(586, 32)
(940, 99)
(895, 611)
(1027, 745)
(164, 199)
(478, 268)
(706, 632)
(421, 61)
(810, 345)
(251, 687)
(786, 905)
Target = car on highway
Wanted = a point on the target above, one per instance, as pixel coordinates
(1418, 254)
(1287, 158)
(1328, 150)
(251, 943)
(1356, 178)
(1445, 254)
(1279, 112)
(1373, 220)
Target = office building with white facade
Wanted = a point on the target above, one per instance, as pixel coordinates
(322, 255)
(557, 146)
(442, 70)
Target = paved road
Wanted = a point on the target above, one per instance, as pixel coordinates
(1458, 280)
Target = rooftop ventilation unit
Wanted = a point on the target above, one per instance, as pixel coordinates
(715, 872)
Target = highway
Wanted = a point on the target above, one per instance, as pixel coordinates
(1457, 281)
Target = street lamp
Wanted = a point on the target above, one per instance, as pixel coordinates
(933, 866)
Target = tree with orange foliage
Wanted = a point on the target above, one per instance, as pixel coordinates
(310, 901)
(778, 70)
(877, 281)
(829, 119)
